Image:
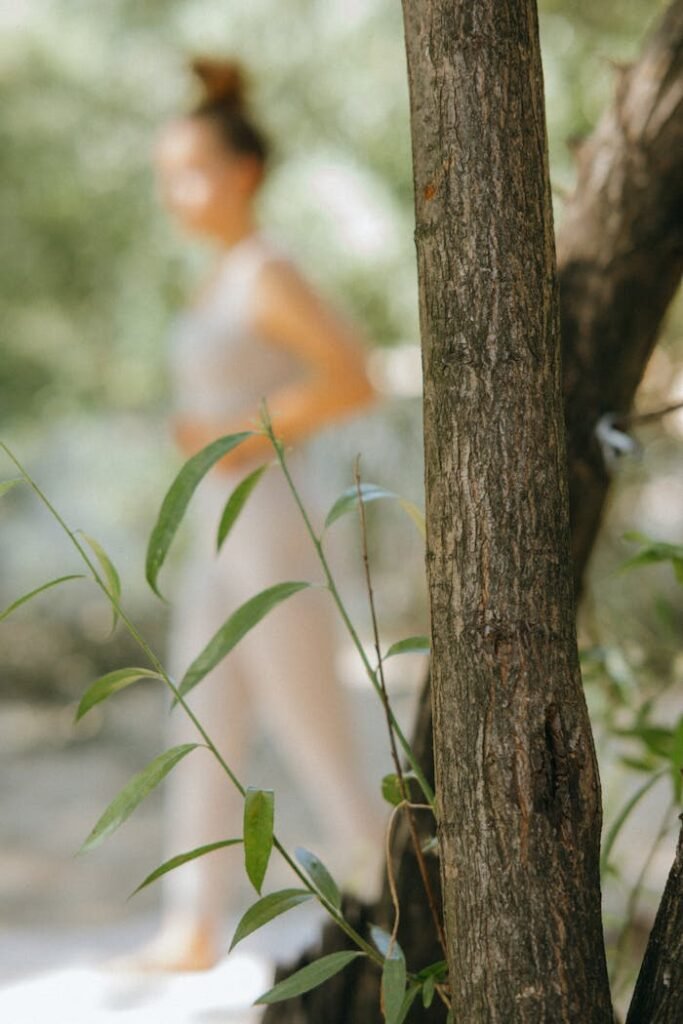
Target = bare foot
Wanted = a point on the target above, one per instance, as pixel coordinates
(179, 946)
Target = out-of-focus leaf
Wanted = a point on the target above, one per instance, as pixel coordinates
(236, 503)
(111, 575)
(7, 485)
(319, 875)
(623, 815)
(391, 787)
(268, 908)
(411, 645)
(32, 593)
(183, 858)
(310, 976)
(655, 551)
(178, 498)
(111, 683)
(258, 833)
(135, 792)
(348, 501)
(232, 631)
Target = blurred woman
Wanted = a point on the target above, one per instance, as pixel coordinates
(257, 329)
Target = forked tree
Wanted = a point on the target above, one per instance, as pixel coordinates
(519, 808)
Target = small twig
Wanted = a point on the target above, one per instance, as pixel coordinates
(633, 419)
(403, 786)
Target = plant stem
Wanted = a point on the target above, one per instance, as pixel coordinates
(331, 586)
(403, 786)
(159, 668)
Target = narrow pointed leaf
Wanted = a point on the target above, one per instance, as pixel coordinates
(411, 645)
(259, 807)
(232, 631)
(319, 875)
(183, 858)
(310, 976)
(7, 485)
(621, 818)
(268, 908)
(428, 989)
(236, 503)
(111, 683)
(393, 984)
(32, 593)
(178, 498)
(408, 1001)
(123, 805)
(348, 501)
(110, 574)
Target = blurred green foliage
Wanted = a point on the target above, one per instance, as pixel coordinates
(89, 269)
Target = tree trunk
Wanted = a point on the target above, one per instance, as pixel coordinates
(519, 810)
(620, 255)
(638, 183)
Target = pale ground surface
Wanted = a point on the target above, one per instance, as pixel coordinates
(63, 917)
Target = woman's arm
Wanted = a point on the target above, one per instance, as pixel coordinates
(291, 316)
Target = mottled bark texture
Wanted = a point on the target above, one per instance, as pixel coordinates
(620, 255)
(518, 791)
(636, 207)
(658, 997)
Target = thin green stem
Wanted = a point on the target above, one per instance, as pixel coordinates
(159, 668)
(336, 597)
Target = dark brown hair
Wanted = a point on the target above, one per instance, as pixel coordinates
(223, 103)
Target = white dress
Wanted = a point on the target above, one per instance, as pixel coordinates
(280, 675)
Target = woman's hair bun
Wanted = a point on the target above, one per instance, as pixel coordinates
(221, 80)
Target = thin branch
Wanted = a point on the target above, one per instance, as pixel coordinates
(403, 786)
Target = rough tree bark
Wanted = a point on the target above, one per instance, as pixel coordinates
(620, 256)
(628, 196)
(519, 807)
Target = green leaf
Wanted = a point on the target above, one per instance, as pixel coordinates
(232, 631)
(135, 792)
(7, 485)
(178, 497)
(319, 875)
(259, 807)
(393, 984)
(621, 818)
(236, 503)
(111, 683)
(391, 787)
(428, 989)
(32, 593)
(655, 551)
(268, 908)
(183, 858)
(348, 501)
(408, 1001)
(310, 976)
(411, 645)
(111, 575)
